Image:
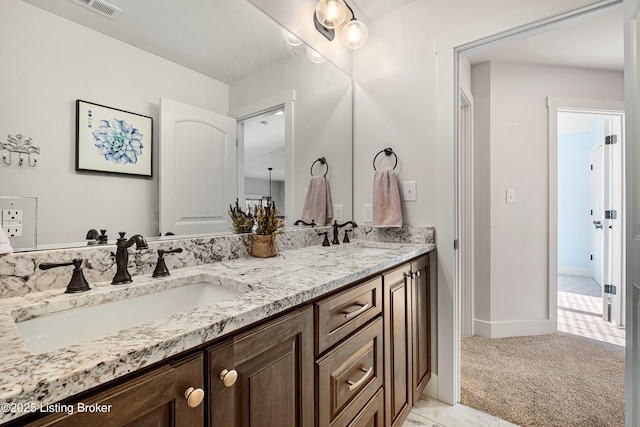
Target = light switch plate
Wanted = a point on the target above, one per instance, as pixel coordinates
(338, 212)
(367, 213)
(410, 191)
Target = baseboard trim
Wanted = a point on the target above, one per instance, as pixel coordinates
(574, 271)
(431, 390)
(483, 328)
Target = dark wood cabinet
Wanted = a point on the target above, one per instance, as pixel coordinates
(398, 345)
(265, 377)
(372, 341)
(156, 398)
(420, 325)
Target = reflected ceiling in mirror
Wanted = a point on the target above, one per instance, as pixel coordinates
(55, 52)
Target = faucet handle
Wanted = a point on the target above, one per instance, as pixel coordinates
(326, 238)
(161, 269)
(346, 236)
(77, 283)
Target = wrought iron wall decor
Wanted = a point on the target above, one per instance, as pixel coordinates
(21, 145)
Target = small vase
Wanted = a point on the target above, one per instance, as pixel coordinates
(264, 246)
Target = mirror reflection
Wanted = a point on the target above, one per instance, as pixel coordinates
(223, 56)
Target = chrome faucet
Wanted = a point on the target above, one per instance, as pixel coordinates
(122, 256)
(335, 240)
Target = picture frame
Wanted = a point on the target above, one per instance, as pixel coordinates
(113, 141)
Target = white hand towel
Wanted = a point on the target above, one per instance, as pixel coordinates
(317, 203)
(5, 245)
(387, 211)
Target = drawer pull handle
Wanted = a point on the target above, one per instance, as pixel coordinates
(367, 374)
(194, 397)
(354, 313)
(229, 377)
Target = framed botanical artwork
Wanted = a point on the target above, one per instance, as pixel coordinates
(112, 140)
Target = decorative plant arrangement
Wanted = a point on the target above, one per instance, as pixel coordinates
(268, 221)
(242, 221)
(263, 222)
(268, 224)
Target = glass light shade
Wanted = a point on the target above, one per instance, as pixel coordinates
(314, 56)
(354, 34)
(291, 39)
(331, 13)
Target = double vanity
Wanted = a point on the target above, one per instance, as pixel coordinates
(317, 336)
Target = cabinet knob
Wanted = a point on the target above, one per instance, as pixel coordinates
(194, 396)
(417, 273)
(228, 377)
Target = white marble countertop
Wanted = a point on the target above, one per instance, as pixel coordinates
(271, 286)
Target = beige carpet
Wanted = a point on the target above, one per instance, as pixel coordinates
(549, 380)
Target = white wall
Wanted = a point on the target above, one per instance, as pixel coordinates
(47, 63)
(512, 97)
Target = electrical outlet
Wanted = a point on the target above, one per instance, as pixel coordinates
(338, 212)
(13, 230)
(511, 195)
(368, 213)
(11, 215)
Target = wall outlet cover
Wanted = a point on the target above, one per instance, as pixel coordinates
(409, 191)
(338, 212)
(367, 213)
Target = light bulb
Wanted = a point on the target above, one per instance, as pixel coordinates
(354, 34)
(314, 56)
(291, 39)
(331, 13)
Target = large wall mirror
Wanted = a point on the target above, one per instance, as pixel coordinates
(223, 56)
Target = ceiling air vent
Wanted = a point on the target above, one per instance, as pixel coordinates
(101, 7)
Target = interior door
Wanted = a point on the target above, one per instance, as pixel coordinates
(198, 178)
(632, 221)
(613, 220)
(597, 217)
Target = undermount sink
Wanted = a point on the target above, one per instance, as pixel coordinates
(364, 249)
(55, 331)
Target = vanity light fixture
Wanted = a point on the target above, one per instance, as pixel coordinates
(290, 38)
(353, 34)
(314, 56)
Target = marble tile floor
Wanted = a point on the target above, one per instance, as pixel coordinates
(429, 412)
(580, 311)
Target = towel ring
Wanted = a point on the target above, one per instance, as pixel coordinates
(387, 151)
(322, 161)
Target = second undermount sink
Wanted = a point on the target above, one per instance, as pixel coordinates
(362, 248)
(55, 331)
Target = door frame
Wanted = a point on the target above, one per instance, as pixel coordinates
(449, 50)
(556, 105)
(286, 99)
(467, 215)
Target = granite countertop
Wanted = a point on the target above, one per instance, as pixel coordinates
(270, 286)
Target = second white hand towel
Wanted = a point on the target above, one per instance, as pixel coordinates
(317, 203)
(387, 211)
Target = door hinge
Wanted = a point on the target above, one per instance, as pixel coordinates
(591, 167)
(455, 245)
(612, 214)
(611, 139)
(591, 257)
(591, 212)
(610, 289)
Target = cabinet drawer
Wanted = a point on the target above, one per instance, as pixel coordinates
(350, 375)
(371, 416)
(340, 315)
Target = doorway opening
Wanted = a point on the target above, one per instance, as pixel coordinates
(590, 238)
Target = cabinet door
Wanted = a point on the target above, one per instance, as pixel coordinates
(275, 376)
(398, 343)
(156, 399)
(421, 325)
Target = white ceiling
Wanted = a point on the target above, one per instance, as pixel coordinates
(593, 41)
(223, 39)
